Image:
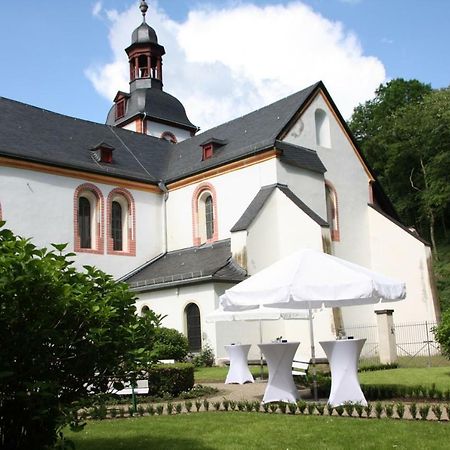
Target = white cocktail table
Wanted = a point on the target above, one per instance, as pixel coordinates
(343, 356)
(280, 386)
(238, 371)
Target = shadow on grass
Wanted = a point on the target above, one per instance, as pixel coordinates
(138, 443)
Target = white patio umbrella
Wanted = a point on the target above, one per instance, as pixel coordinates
(256, 313)
(310, 279)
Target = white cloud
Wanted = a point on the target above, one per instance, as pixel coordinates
(225, 62)
(96, 9)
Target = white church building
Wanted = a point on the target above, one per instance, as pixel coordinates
(181, 216)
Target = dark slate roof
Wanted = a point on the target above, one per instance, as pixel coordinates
(259, 201)
(245, 135)
(144, 34)
(210, 262)
(38, 135)
(155, 104)
(298, 156)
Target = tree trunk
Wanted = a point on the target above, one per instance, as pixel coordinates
(430, 212)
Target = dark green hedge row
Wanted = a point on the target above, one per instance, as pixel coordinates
(385, 392)
(170, 378)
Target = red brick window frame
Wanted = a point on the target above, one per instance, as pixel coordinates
(332, 210)
(95, 197)
(126, 201)
(204, 214)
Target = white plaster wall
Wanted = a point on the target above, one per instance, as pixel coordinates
(346, 173)
(308, 186)
(40, 205)
(399, 255)
(157, 129)
(235, 190)
(279, 229)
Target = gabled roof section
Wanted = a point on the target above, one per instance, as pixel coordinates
(211, 262)
(41, 136)
(260, 200)
(246, 135)
(298, 156)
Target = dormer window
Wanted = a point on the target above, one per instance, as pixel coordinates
(102, 152)
(121, 103)
(120, 109)
(207, 151)
(210, 146)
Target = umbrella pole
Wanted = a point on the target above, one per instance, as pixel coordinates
(260, 351)
(313, 354)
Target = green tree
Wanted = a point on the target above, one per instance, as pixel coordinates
(405, 135)
(64, 335)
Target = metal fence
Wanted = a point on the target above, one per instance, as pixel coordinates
(414, 341)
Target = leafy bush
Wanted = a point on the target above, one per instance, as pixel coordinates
(205, 358)
(442, 333)
(64, 335)
(170, 378)
(169, 343)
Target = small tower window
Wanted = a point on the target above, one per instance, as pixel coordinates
(143, 66)
(168, 136)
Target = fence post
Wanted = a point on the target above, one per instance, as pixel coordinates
(386, 336)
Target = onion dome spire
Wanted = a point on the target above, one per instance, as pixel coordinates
(143, 7)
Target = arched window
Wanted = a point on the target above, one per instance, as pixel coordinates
(84, 222)
(209, 217)
(204, 210)
(194, 332)
(121, 223)
(88, 219)
(116, 225)
(323, 137)
(332, 211)
(168, 136)
(145, 310)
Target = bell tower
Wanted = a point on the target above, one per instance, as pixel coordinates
(147, 108)
(145, 56)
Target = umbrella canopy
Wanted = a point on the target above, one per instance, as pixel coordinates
(258, 313)
(312, 279)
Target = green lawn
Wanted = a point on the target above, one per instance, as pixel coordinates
(218, 374)
(414, 376)
(234, 430)
(440, 376)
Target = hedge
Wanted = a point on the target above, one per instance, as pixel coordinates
(170, 378)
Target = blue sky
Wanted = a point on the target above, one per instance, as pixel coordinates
(53, 53)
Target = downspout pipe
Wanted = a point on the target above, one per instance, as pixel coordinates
(164, 189)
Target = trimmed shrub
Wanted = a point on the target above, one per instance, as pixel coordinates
(169, 344)
(170, 378)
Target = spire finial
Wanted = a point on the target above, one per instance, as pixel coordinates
(143, 7)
